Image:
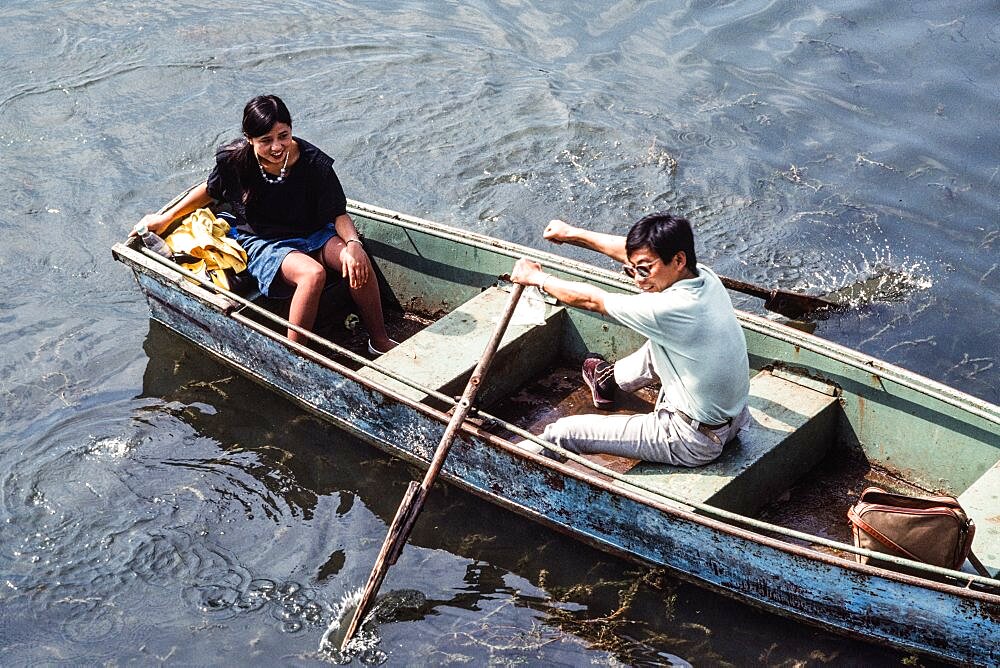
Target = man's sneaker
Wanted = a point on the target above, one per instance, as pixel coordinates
(599, 375)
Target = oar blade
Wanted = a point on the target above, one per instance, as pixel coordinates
(395, 539)
(792, 305)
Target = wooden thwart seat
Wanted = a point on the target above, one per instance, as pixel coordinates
(794, 425)
(980, 502)
(442, 356)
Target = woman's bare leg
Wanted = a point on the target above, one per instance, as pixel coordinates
(308, 277)
(366, 297)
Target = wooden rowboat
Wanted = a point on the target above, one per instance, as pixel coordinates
(825, 417)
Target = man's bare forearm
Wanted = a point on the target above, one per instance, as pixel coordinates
(612, 245)
(572, 293)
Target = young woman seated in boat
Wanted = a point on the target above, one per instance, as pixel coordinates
(289, 212)
(695, 347)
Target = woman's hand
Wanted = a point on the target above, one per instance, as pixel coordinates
(557, 231)
(155, 222)
(195, 198)
(355, 265)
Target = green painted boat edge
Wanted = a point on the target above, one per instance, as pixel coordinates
(791, 336)
(879, 400)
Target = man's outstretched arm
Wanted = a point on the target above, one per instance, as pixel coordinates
(612, 245)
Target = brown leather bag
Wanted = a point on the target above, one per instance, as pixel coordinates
(934, 530)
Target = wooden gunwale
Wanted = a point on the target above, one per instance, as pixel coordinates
(635, 490)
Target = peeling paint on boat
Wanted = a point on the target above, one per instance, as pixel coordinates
(943, 620)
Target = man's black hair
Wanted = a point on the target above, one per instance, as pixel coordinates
(665, 235)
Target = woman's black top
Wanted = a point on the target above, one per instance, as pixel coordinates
(309, 197)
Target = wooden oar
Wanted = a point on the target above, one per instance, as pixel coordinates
(413, 500)
(784, 302)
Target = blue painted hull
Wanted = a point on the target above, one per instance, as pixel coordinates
(942, 620)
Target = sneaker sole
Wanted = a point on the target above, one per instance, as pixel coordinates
(599, 401)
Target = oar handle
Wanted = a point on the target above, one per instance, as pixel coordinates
(462, 409)
(472, 388)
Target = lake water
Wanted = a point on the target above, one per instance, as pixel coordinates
(155, 508)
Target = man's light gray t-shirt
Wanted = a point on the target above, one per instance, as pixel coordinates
(699, 351)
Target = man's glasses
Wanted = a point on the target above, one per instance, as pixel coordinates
(632, 270)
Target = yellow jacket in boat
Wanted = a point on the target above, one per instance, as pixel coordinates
(203, 236)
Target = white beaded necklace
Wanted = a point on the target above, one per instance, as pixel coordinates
(274, 179)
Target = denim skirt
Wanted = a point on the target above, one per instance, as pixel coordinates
(264, 257)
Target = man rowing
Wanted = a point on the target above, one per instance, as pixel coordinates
(695, 347)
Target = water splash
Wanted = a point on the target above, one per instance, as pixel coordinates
(293, 606)
(879, 279)
(114, 447)
(389, 607)
(364, 639)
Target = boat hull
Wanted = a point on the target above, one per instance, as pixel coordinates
(942, 620)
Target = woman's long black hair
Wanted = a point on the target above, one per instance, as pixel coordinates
(259, 116)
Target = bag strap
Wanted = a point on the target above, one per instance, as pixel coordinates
(877, 495)
(879, 536)
(978, 565)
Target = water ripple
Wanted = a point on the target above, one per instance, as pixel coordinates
(154, 518)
